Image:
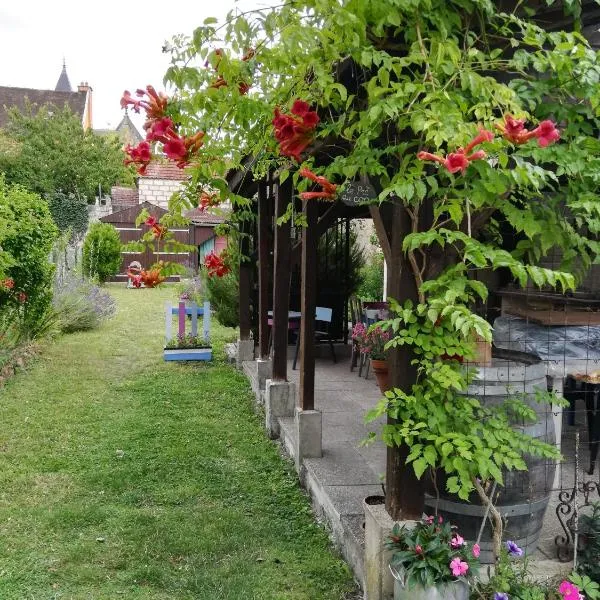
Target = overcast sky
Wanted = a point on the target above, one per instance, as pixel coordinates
(112, 44)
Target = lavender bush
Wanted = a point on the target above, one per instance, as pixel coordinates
(80, 305)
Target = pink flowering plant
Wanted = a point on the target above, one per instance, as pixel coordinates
(374, 342)
(431, 553)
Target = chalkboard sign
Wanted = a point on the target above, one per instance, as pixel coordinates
(358, 192)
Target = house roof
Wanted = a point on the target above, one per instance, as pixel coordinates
(128, 132)
(16, 97)
(63, 84)
(200, 217)
(130, 214)
(124, 196)
(156, 170)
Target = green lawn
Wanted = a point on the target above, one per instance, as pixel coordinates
(122, 476)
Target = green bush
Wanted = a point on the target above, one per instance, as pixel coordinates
(27, 233)
(223, 295)
(371, 276)
(102, 252)
(589, 562)
(69, 212)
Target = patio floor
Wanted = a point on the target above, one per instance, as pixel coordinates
(348, 471)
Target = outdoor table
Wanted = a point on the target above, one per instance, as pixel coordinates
(587, 388)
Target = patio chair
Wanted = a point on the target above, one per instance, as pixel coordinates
(323, 318)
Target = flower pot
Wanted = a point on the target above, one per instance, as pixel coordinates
(380, 368)
(450, 590)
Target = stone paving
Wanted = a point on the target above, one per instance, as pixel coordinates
(349, 471)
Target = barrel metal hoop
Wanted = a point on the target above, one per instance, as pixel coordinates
(475, 510)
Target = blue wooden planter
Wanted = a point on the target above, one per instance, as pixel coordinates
(181, 311)
(187, 353)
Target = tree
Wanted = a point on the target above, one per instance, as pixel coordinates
(454, 110)
(47, 151)
(69, 213)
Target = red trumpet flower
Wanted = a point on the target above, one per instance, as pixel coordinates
(155, 104)
(215, 265)
(328, 189)
(139, 155)
(460, 160)
(514, 131)
(208, 200)
(295, 132)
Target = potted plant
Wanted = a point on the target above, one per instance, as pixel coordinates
(373, 345)
(188, 347)
(431, 561)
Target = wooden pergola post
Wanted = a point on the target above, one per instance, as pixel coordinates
(404, 493)
(281, 282)
(308, 300)
(265, 217)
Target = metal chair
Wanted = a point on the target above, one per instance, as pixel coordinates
(323, 317)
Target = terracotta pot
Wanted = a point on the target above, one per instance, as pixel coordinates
(380, 368)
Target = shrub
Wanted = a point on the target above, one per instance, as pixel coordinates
(27, 233)
(589, 563)
(223, 295)
(81, 305)
(102, 252)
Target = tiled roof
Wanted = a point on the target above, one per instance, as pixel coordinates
(124, 196)
(158, 170)
(199, 217)
(11, 96)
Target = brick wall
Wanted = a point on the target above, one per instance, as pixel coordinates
(157, 191)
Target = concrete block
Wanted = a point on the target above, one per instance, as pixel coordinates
(280, 401)
(264, 371)
(379, 582)
(245, 351)
(309, 427)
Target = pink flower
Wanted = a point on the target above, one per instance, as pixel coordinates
(476, 550)
(569, 591)
(175, 148)
(546, 133)
(418, 549)
(429, 520)
(458, 567)
(457, 541)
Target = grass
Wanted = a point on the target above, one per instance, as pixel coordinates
(122, 476)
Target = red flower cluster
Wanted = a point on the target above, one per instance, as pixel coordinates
(514, 131)
(159, 128)
(139, 155)
(328, 189)
(215, 265)
(460, 160)
(296, 131)
(208, 200)
(220, 82)
(158, 230)
(8, 285)
(155, 105)
(150, 278)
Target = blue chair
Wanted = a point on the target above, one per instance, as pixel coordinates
(323, 317)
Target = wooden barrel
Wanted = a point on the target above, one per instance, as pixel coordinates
(523, 499)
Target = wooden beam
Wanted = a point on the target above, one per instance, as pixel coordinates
(281, 282)
(245, 284)
(382, 234)
(308, 302)
(265, 216)
(404, 493)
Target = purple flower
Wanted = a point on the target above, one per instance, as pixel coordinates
(500, 596)
(513, 549)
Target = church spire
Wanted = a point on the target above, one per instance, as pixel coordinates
(63, 84)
